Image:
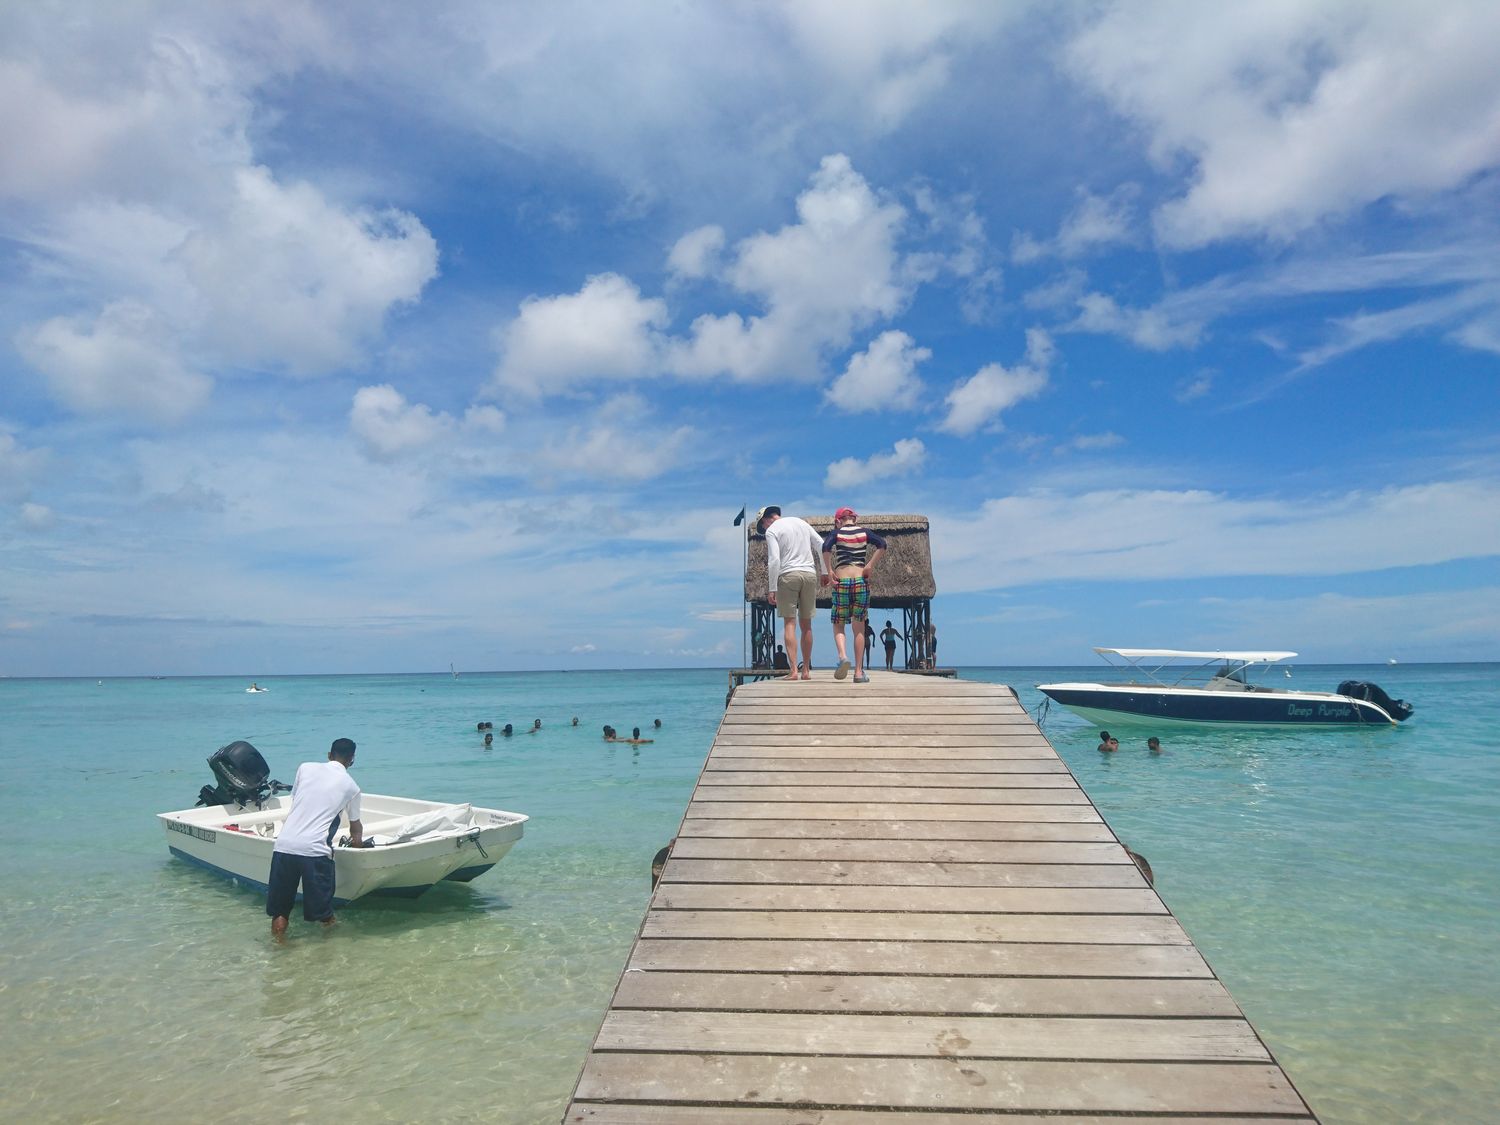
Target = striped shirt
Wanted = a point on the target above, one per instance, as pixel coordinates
(850, 545)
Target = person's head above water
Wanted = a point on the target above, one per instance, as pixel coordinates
(635, 732)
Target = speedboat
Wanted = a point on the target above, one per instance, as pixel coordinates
(416, 844)
(1228, 696)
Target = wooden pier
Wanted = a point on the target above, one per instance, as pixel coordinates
(892, 902)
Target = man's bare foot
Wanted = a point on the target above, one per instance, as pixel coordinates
(807, 675)
(278, 928)
(330, 922)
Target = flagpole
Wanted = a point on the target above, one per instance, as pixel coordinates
(744, 602)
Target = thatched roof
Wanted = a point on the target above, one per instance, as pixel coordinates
(904, 575)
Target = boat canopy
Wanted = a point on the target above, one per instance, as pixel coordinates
(1179, 654)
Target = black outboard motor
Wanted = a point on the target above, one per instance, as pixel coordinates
(243, 777)
(1398, 709)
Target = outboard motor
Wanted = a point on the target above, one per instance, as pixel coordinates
(243, 777)
(1398, 709)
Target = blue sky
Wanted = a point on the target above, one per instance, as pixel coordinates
(343, 337)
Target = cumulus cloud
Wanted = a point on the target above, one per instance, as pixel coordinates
(606, 330)
(1291, 113)
(140, 197)
(1096, 221)
(123, 362)
(883, 376)
(388, 427)
(981, 398)
(1155, 328)
(696, 253)
(819, 280)
(289, 280)
(908, 455)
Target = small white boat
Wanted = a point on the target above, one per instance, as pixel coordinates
(1228, 697)
(417, 844)
(257, 687)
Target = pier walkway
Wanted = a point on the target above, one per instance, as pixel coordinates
(892, 903)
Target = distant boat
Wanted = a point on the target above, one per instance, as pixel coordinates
(257, 687)
(1227, 698)
(1392, 660)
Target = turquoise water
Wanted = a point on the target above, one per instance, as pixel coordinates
(1343, 884)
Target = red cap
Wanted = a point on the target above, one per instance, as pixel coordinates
(842, 512)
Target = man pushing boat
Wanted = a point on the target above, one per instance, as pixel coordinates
(303, 854)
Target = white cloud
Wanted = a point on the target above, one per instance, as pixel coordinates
(1295, 112)
(606, 330)
(819, 280)
(1150, 328)
(20, 467)
(908, 455)
(1121, 535)
(37, 517)
(993, 389)
(696, 253)
(387, 427)
(1096, 221)
(290, 280)
(883, 376)
(604, 451)
(123, 363)
(138, 195)
(1089, 442)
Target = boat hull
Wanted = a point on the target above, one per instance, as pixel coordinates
(204, 838)
(1148, 705)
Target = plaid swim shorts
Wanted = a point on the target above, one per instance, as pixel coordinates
(851, 600)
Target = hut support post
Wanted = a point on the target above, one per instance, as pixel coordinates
(762, 634)
(915, 622)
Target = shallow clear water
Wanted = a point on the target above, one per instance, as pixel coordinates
(1342, 884)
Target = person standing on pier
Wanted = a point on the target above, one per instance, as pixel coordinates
(794, 571)
(847, 553)
(889, 635)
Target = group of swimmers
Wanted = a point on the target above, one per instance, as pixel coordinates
(610, 734)
(1108, 743)
(635, 739)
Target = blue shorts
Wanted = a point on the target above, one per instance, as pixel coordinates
(314, 872)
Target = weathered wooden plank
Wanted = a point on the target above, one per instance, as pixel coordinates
(1018, 745)
(727, 761)
(815, 872)
(893, 794)
(935, 995)
(1031, 1085)
(617, 1113)
(876, 726)
(828, 810)
(695, 826)
(902, 851)
(938, 958)
(1001, 900)
(888, 779)
(952, 1037)
(1090, 929)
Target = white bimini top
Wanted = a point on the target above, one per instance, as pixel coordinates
(320, 793)
(1178, 654)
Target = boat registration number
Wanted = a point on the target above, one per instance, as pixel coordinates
(208, 835)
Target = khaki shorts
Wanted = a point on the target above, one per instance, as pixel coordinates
(797, 594)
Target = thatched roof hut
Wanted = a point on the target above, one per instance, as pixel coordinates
(903, 578)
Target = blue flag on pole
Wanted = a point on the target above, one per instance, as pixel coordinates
(739, 519)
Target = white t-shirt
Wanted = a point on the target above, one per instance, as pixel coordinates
(320, 793)
(792, 544)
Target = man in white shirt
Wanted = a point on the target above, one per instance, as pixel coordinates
(304, 846)
(794, 571)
